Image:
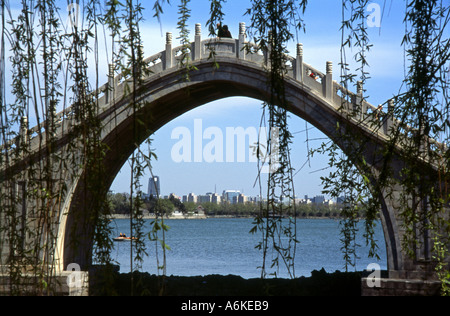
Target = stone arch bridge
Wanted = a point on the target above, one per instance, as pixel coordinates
(317, 98)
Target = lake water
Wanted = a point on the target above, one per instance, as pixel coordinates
(225, 246)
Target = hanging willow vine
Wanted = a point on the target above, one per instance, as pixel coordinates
(351, 176)
(271, 28)
(422, 112)
(424, 109)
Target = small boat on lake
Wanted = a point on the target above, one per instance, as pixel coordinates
(123, 237)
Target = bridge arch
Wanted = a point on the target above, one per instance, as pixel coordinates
(166, 97)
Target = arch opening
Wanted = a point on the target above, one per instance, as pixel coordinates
(198, 263)
(175, 98)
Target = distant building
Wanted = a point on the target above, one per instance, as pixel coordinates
(192, 198)
(230, 196)
(216, 198)
(205, 198)
(154, 187)
(242, 199)
(209, 198)
(200, 211)
(319, 199)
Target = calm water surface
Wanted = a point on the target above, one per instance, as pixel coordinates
(224, 246)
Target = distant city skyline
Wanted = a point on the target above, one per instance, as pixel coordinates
(236, 197)
(230, 195)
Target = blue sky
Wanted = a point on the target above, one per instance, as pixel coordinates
(321, 44)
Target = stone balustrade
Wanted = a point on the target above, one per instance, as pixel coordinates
(351, 105)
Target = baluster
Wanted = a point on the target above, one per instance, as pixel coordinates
(198, 42)
(241, 53)
(168, 53)
(299, 63)
(328, 82)
(388, 123)
(109, 93)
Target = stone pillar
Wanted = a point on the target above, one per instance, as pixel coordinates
(168, 53)
(267, 53)
(241, 53)
(388, 123)
(198, 42)
(359, 89)
(52, 119)
(360, 104)
(299, 63)
(328, 82)
(109, 93)
(391, 107)
(24, 130)
(357, 106)
(22, 141)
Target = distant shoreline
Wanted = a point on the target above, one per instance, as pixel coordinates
(201, 217)
(122, 216)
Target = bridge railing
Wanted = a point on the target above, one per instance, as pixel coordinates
(322, 84)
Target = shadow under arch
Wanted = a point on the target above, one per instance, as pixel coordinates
(165, 97)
